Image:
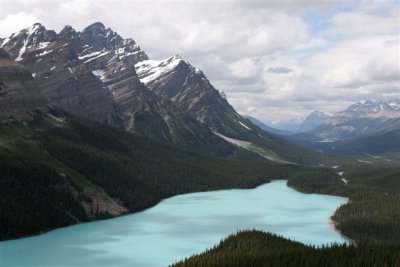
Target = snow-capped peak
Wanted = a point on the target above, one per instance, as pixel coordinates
(97, 26)
(394, 104)
(31, 30)
(373, 108)
(28, 32)
(150, 70)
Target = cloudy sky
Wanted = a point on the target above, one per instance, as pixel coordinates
(275, 60)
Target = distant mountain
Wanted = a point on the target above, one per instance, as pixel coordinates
(363, 118)
(313, 120)
(368, 127)
(100, 75)
(267, 128)
(373, 109)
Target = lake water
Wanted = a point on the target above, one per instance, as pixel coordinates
(179, 227)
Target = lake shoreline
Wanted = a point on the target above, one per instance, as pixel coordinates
(181, 226)
(331, 222)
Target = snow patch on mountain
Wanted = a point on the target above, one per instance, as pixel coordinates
(151, 70)
(245, 126)
(45, 53)
(98, 56)
(99, 73)
(371, 109)
(240, 143)
(29, 31)
(270, 155)
(42, 45)
(92, 54)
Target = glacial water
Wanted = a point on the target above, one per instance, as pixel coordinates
(179, 227)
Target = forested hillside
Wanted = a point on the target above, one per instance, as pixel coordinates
(254, 248)
(60, 169)
(372, 214)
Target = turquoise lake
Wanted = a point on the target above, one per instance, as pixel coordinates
(179, 227)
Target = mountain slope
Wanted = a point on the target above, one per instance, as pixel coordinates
(176, 80)
(19, 96)
(61, 75)
(101, 76)
(256, 248)
(59, 170)
(372, 148)
(314, 119)
(92, 74)
(353, 128)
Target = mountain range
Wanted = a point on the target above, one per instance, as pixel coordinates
(101, 76)
(363, 129)
(363, 118)
(91, 128)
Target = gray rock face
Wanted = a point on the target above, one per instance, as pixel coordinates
(99, 75)
(63, 78)
(19, 95)
(92, 74)
(176, 80)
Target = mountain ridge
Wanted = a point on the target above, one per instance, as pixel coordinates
(99, 75)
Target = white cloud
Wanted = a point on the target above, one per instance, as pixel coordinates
(78, 7)
(351, 23)
(330, 80)
(17, 21)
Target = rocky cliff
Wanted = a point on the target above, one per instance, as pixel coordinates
(19, 95)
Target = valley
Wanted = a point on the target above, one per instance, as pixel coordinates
(92, 128)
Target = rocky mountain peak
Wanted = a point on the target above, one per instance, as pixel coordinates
(68, 33)
(362, 118)
(371, 109)
(34, 37)
(95, 27)
(101, 76)
(98, 36)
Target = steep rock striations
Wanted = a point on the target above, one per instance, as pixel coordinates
(19, 95)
